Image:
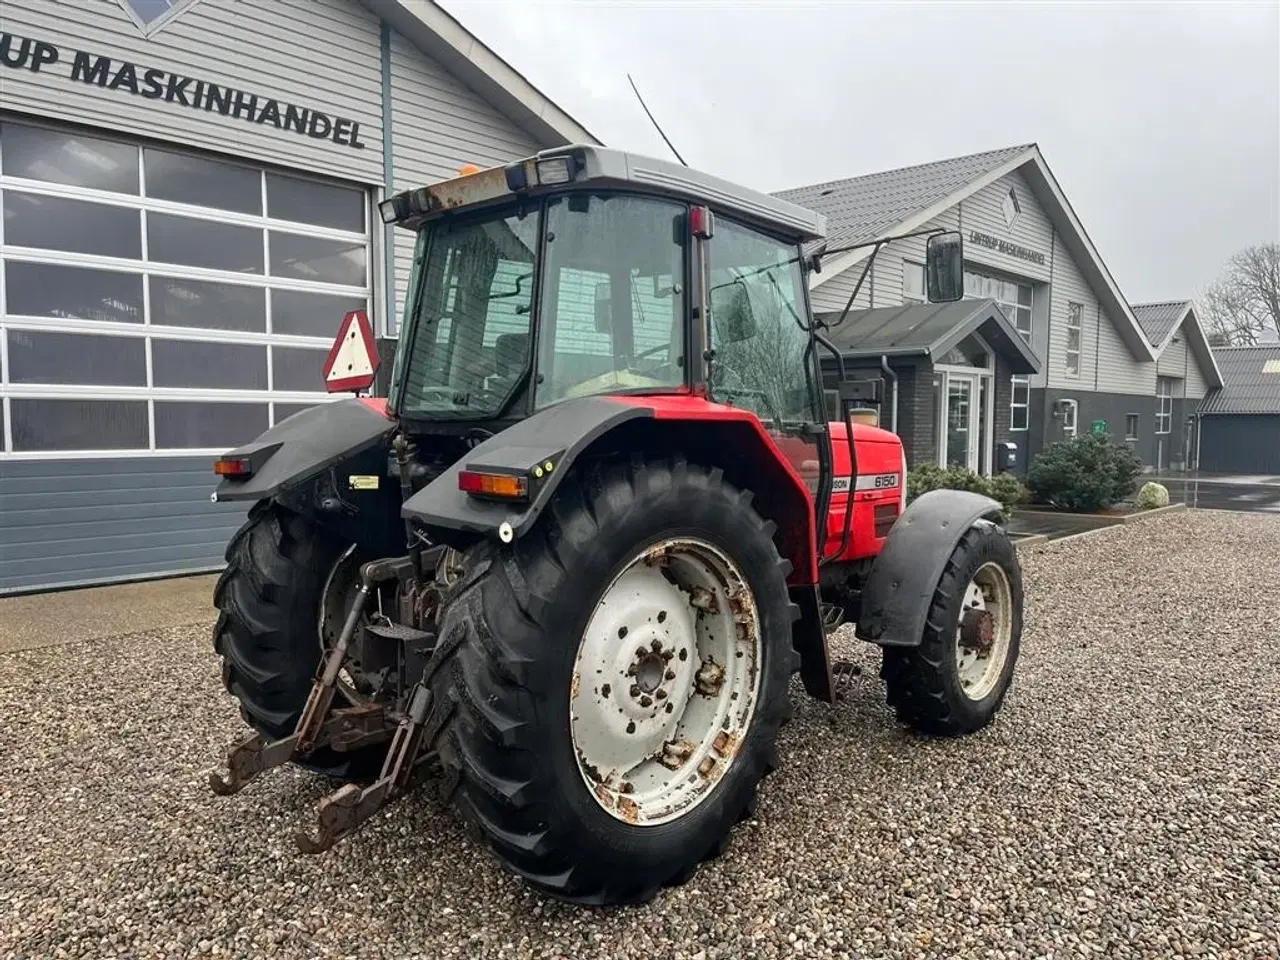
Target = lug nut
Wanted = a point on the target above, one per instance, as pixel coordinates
(646, 701)
(661, 695)
(635, 690)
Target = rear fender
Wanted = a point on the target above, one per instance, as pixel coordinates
(299, 449)
(899, 589)
(717, 436)
(557, 436)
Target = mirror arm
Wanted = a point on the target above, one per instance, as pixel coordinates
(875, 245)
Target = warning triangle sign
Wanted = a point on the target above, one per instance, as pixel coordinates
(353, 358)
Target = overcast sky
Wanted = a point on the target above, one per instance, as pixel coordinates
(1160, 121)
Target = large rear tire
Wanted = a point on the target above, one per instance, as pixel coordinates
(534, 659)
(269, 603)
(956, 680)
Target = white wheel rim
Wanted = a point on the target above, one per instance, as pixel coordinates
(984, 631)
(665, 682)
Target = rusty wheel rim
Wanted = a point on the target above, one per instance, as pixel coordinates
(984, 631)
(665, 682)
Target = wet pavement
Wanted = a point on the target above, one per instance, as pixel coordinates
(1250, 494)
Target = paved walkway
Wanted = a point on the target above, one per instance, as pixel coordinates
(94, 613)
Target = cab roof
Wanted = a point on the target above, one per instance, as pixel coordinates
(590, 165)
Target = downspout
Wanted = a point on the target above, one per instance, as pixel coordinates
(390, 322)
(893, 377)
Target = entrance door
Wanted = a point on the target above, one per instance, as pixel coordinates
(962, 439)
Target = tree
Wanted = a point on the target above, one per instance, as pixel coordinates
(1243, 305)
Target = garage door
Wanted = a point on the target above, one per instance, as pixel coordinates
(1240, 444)
(156, 307)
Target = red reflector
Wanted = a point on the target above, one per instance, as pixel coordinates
(701, 222)
(505, 485)
(232, 467)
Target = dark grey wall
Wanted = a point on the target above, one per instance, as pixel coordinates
(68, 522)
(1164, 450)
(1240, 444)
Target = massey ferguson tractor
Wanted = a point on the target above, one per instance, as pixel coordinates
(616, 498)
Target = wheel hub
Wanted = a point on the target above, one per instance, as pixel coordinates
(649, 670)
(978, 630)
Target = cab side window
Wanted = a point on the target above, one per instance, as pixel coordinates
(758, 330)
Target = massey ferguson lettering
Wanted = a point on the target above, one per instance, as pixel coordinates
(149, 83)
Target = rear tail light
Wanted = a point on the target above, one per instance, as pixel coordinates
(501, 486)
(237, 467)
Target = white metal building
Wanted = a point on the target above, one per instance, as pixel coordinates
(188, 191)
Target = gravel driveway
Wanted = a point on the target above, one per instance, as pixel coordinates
(1126, 803)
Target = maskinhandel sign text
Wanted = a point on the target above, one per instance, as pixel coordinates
(1004, 246)
(152, 84)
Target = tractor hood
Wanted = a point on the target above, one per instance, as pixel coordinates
(307, 443)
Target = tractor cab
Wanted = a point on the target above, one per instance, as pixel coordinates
(585, 272)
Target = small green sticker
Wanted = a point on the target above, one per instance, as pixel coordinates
(363, 481)
(1099, 427)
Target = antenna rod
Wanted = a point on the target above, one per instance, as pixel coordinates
(653, 121)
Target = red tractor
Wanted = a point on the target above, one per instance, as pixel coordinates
(568, 568)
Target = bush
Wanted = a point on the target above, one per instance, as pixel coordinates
(1004, 487)
(1152, 495)
(1085, 473)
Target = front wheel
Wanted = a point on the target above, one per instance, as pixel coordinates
(955, 681)
(613, 682)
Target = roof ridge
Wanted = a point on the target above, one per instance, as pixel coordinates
(911, 166)
(1162, 303)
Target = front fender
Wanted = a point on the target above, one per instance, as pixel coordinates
(899, 590)
(301, 447)
(556, 435)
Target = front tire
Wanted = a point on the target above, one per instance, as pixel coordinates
(269, 603)
(956, 680)
(526, 703)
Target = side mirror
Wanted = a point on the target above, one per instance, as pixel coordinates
(944, 267)
(731, 312)
(604, 308)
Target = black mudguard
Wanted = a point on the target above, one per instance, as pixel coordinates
(298, 449)
(556, 435)
(897, 594)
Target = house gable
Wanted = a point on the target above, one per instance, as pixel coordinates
(1181, 346)
(998, 242)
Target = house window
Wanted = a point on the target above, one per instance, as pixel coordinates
(1013, 297)
(1131, 426)
(1164, 404)
(1075, 319)
(1020, 404)
(913, 289)
(1069, 410)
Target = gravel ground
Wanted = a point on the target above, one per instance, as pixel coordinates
(1126, 803)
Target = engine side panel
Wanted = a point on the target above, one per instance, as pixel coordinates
(877, 491)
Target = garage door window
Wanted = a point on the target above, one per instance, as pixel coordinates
(156, 300)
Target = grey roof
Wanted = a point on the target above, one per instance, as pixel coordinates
(862, 208)
(931, 329)
(1251, 380)
(1158, 319)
